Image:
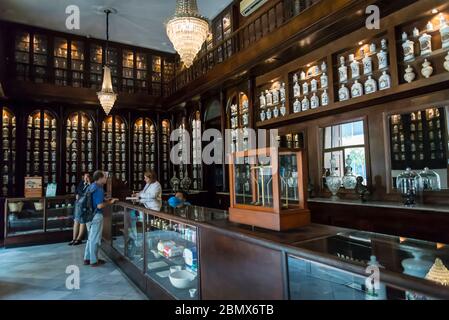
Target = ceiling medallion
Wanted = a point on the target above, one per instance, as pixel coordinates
(187, 30)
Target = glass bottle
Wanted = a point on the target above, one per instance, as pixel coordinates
(409, 184)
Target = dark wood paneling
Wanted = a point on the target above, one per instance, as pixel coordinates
(234, 269)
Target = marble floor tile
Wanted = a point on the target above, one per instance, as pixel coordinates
(39, 273)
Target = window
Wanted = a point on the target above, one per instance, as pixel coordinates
(346, 143)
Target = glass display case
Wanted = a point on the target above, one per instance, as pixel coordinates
(238, 121)
(144, 150)
(165, 158)
(96, 66)
(41, 146)
(268, 188)
(25, 216)
(40, 54)
(113, 63)
(60, 61)
(409, 258)
(156, 76)
(77, 63)
(169, 74)
(80, 148)
(113, 139)
(128, 71)
(22, 56)
(59, 213)
(141, 72)
(8, 157)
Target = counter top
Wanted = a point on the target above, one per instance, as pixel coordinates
(382, 204)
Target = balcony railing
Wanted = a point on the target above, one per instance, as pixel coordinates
(276, 15)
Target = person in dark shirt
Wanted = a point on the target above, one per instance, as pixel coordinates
(95, 227)
(79, 225)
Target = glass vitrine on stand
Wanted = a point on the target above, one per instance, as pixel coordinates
(268, 188)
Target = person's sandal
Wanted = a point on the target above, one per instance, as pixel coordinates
(77, 242)
(71, 243)
(86, 262)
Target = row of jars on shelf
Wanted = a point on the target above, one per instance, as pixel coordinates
(425, 39)
(36, 167)
(139, 147)
(273, 97)
(426, 70)
(358, 89)
(37, 122)
(6, 131)
(7, 153)
(6, 179)
(313, 87)
(74, 134)
(6, 169)
(235, 120)
(118, 157)
(37, 134)
(74, 155)
(314, 102)
(118, 146)
(72, 166)
(46, 155)
(367, 62)
(6, 143)
(9, 120)
(148, 139)
(140, 157)
(109, 136)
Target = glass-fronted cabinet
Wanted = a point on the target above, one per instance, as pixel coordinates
(373, 255)
(197, 172)
(156, 76)
(8, 156)
(41, 146)
(40, 57)
(22, 55)
(144, 150)
(128, 71)
(77, 63)
(80, 148)
(268, 188)
(37, 215)
(60, 61)
(96, 66)
(113, 140)
(141, 84)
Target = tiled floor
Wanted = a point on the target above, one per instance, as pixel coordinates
(39, 273)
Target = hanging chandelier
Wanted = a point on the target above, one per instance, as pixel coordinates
(107, 96)
(187, 30)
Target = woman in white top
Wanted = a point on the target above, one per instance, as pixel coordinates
(152, 189)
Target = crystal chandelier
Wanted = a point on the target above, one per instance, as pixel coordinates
(107, 96)
(187, 30)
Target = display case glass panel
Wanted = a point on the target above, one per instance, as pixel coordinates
(141, 72)
(128, 71)
(8, 157)
(77, 63)
(238, 121)
(42, 146)
(60, 61)
(59, 213)
(165, 148)
(419, 139)
(24, 216)
(410, 258)
(22, 55)
(156, 76)
(118, 228)
(144, 150)
(40, 53)
(96, 66)
(80, 148)
(113, 61)
(169, 74)
(172, 257)
(114, 142)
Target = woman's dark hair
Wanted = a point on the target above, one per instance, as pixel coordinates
(98, 175)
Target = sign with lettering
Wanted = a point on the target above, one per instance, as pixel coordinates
(33, 187)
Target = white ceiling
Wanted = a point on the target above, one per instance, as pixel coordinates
(138, 22)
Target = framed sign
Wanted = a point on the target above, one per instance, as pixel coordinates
(51, 190)
(33, 187)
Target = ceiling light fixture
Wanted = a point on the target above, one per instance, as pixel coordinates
(107, 96)
(187, 30)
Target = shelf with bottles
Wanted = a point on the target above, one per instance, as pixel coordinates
(22, 55)
(239, 121)
(172, 252)
(144, 150)
(8, 160)
(417, 139)
(363, 69)
(96, 66)
(40, 56)
(77, 63)
(423, 47)
(128, 71)
(113, 141)
(156, 76)
(291, 141)
(141, 72)
(309, 87)
(80, 148)
(165, 149)
(41, 146)
(272, 100)
(60, 61)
